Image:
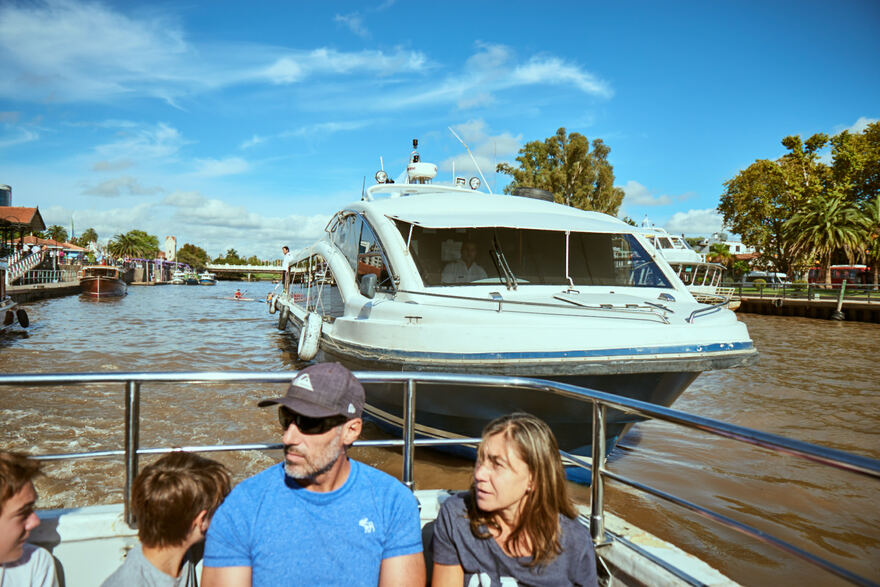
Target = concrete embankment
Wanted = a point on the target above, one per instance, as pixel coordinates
(853, 310)
(40, 291)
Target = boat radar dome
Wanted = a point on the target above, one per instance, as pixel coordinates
(418, 171)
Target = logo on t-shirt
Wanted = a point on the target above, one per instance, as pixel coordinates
(367, 525)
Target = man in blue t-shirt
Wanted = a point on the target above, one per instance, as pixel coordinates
(318, 518)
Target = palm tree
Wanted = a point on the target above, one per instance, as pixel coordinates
(871, 235)
(88, 236)
(58, 233)
(124, 245)
(826, 225)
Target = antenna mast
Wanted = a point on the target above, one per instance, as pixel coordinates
(480, 171)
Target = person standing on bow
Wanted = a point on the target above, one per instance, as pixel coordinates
(517, 524)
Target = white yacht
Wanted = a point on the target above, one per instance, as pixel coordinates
(207, 278)
(420, 276)
(178, 277)
(702, 278)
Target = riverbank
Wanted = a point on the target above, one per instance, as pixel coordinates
(852, 310)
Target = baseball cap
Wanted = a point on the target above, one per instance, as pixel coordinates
(322, 390)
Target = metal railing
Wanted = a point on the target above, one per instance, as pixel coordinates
(814, 292)
(49, 276)
(601, 402)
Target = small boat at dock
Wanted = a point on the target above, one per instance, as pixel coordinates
(102, 281)
(178, 278)
(10, 311)
(207, 278)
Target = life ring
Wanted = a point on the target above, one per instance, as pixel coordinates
(22, 318)
(272, 307)
(282, 318)
(309, 336)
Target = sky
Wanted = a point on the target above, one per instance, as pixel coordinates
(246, 125)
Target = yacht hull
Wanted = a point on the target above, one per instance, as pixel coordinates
(450, 410)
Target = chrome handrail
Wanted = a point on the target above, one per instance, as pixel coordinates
(647, 312)
(601, 401)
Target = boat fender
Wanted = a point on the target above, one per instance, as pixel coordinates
(272, 307)
(282, 318)
(22, 318)
(309, 336)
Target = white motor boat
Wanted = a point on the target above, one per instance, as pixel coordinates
(178, 278)
(702, 278)
(418, 276)
(207, 278)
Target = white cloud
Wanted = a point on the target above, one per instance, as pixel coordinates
(354, 22)
(861, 124)
(252, 142)
(639, 195)
(16, 136)
(125, 185)
(702, 222)
(487, 149)
(552, 70)
(157, 142)
(219, 167)
(66, 51)
(115, 165)
(493, 68)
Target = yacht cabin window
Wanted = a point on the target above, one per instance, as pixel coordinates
(529, 256)
(358, 242)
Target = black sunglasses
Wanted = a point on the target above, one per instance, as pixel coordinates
(307, 425)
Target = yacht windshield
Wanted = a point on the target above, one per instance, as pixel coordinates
(511, 256)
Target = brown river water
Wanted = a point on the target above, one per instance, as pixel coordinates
(816, 381)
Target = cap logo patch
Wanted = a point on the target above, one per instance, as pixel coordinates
(304, 381)
(351, 409)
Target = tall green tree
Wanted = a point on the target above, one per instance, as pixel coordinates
(88, 236)
(58, 233)
(825, 225)
(230, 258)
(758, 202)
(871, 235)
(565, 165)
(856, 163)
(134, 244)
(193, 256)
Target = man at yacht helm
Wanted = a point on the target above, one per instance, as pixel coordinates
(318, 518)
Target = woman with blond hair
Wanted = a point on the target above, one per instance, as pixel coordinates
(517, 524)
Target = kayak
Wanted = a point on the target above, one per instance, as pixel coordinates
(239, 299)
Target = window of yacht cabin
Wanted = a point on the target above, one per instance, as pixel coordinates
(315, 282)
(358, 242)
(533, 256)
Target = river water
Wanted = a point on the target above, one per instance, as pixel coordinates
(815, 381)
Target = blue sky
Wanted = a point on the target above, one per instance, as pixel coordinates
(246, 125)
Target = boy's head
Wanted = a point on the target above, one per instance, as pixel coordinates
(169, 495)
(17, 498)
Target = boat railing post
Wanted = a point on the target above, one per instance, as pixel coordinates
(597, 487)
(132, 442)
(409, 424)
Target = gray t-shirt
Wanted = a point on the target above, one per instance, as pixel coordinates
(137, 571)
(486, 565)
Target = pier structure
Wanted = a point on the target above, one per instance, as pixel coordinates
(223, 269)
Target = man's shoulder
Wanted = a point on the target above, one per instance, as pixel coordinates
(258, 483)
(382, 482)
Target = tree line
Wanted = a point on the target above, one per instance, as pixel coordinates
(137, 244)
(803, 210)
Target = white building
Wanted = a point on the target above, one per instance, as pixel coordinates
(735, 247)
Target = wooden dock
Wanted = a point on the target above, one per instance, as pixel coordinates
(853, 309)
(41, 291)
